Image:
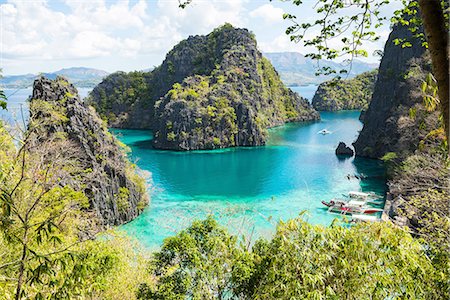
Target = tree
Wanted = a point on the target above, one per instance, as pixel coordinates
(3, 98)
(39, 213)
(302, 261)
(48, 245)
(201, 262)
(376, 261)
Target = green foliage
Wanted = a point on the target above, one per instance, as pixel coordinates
(430, 210)
(46, 234)
(171, 136)
(118, 92)
(216, 141)
(201, 262)
(355, 93)
(430, 90)
(3, 98)
(122, 199)
(390, 156)
(302, 261)
(378, 261)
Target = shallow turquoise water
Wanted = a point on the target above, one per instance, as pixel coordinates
(250, 189)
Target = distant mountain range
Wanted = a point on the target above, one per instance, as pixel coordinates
(295, 69)
(79, 76)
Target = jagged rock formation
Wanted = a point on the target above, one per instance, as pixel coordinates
(362, 115)
(354, 93)
(344, 150)
(212, 91)
(116, 193)
(396, 120)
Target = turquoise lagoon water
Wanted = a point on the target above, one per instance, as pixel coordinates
(247, 189)
(250, 189)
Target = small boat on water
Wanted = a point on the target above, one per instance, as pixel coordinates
(363, 196)
(364, 218)
(324, 132)
(344, 210)
(358, 203)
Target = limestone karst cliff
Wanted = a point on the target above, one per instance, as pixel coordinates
(212, 91)
(115, 192)
(396, 120)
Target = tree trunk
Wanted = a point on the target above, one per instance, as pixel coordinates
(437, 37)
(21, 271)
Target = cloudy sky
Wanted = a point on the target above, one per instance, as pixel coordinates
(42, 36)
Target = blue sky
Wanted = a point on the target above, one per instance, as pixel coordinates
(42, 36)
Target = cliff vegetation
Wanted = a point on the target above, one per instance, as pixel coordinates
(212, 91)
(354, 93)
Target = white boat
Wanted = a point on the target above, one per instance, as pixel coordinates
(324, 131)
(350, 207)
(363, 196)
(364, 218)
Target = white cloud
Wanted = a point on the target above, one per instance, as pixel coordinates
(36, 30)
(33, 30)
(124, 34)
(268, 13)
(280, 44)
(203, 16)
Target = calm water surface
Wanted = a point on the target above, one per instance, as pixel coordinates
(247, 189)
(250, 189)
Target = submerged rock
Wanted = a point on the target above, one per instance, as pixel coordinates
(212, 91)
(344, 150)
(116, 193)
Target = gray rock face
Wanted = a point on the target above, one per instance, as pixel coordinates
(230, 105)
(344, 150)
(212, 91)
(116, 193)
(396, 120)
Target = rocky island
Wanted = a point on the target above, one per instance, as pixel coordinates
(115, 192)
(213, 91)
(348, 94)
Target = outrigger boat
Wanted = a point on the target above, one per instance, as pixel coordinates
(363, 196)
(350, 207)
(369, 198)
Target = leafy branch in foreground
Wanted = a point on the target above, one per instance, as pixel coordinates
(3, 98)
(48, 245)
(345, 24)
(301, 261)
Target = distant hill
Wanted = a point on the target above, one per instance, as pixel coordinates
(79, 76)
(295, 69)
